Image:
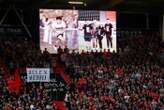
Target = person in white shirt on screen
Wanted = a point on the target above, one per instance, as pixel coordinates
(46, 36)
(59, 27)
(72, 33)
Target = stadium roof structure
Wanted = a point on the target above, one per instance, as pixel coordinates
(120, 5)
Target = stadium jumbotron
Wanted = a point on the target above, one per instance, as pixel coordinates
(81, 55)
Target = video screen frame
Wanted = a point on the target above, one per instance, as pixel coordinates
(78, 30)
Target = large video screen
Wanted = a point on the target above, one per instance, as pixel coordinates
(78, 30)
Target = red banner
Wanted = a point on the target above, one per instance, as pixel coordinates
(14, 81)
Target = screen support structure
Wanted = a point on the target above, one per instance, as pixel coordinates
(163, 29)
(5, 15)
(19, 18)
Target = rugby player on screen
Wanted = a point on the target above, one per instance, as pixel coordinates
(59, 27)
(45, 25)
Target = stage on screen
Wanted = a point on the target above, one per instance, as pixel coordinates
(77, 30)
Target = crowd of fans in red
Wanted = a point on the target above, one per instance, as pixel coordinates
(15, 55)
(130, 79)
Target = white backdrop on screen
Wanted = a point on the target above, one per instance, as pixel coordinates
(77, 29)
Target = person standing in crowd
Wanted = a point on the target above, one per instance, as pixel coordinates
(108, 31)
(100, 34)
(67, 100)
(59, 27)
(88, 32)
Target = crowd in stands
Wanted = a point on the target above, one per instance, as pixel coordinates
(129, 79)
(21, 53)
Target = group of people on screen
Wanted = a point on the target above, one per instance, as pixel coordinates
(53, 28)
(93, 32)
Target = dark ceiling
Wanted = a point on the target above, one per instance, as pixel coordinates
(120, 5)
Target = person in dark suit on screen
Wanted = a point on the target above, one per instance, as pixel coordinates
(108, 32)
(100, 33)
(88, 32)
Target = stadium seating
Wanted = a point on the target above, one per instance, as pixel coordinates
(130, 79)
